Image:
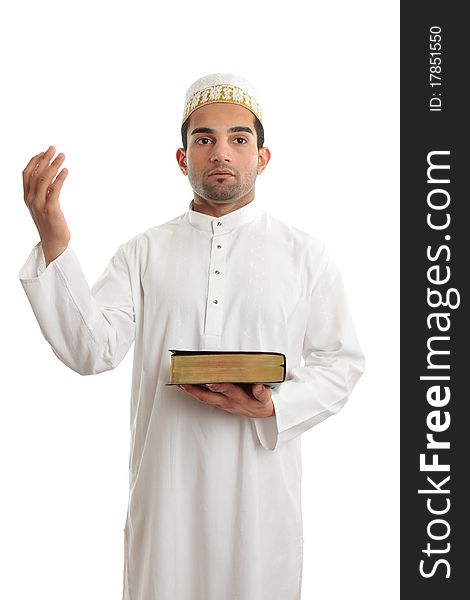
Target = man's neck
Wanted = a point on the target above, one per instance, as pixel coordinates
(218, 210)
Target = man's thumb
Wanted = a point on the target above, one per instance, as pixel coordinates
(259, 391)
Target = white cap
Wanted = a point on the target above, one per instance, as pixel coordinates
(221, 87)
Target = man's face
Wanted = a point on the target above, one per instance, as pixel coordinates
(222, 157)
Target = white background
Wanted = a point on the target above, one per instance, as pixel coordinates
(104, 83)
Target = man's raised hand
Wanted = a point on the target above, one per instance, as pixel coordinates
(41, 195)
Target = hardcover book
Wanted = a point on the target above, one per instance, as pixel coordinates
(199, 367)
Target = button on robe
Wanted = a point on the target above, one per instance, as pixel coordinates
(214, 509)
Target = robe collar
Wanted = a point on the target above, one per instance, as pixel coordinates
(227, 222)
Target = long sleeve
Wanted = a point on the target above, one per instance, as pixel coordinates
(333, 364)
(89, 330)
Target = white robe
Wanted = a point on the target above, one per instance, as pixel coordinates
(214, 508)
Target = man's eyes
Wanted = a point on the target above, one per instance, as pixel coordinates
(204, 141)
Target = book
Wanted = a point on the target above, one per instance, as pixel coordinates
(199, 367)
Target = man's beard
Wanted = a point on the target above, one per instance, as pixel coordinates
(225, 191)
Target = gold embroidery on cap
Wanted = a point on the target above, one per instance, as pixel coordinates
(222, 93)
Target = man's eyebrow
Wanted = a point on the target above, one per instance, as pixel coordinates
(237, 129)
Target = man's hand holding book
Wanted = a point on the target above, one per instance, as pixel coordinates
(249, 400)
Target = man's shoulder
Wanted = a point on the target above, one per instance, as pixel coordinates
(293, 234)
(142, 239)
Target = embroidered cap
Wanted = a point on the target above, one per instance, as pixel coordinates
(221, 87)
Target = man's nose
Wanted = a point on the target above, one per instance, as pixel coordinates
(221, 152)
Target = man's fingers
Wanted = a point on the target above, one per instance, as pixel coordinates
(45, 177)
(227, 389)
(28, 170)
(55, 187)
(202, 394)
(33, 163)
(43, 162)
(36, 175)
(196, 390)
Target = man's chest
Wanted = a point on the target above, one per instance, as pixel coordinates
(220, 277)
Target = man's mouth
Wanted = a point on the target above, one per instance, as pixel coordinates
(221, 174)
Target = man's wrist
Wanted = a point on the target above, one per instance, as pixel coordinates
(51, 253)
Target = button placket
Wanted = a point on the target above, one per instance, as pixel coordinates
(216, 283)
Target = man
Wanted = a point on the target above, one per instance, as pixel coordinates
(214, 504)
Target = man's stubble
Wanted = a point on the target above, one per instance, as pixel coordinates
(223, 190)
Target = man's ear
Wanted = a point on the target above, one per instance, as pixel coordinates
(181, 159)
(264, 155)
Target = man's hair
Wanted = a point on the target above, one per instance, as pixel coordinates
(258, 127)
